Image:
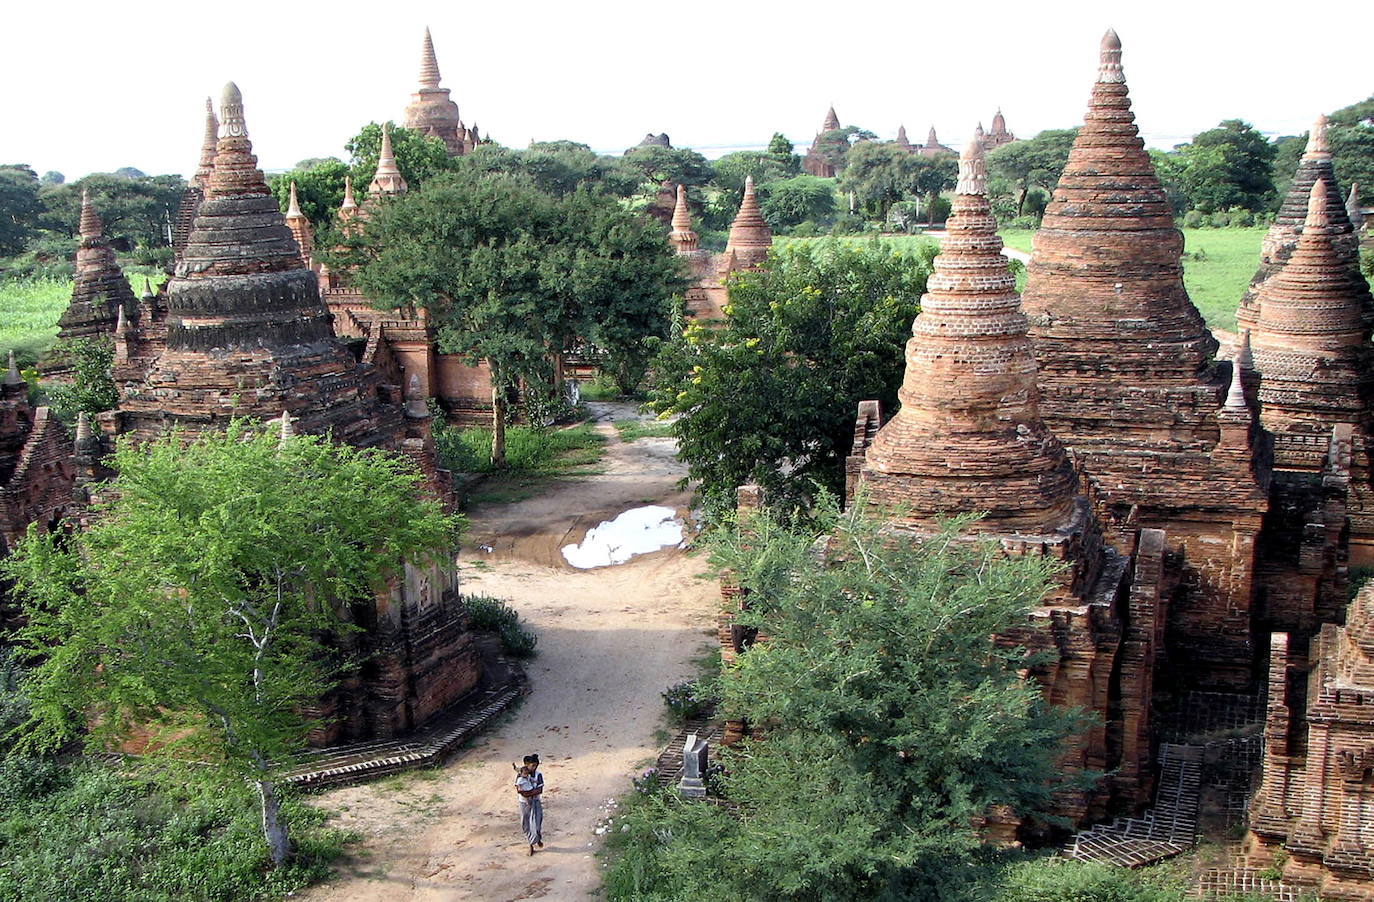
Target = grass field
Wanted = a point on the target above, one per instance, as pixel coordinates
(30, 308)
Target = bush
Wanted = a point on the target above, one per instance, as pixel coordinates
(1063, 880)
(1023, 222)
(95, 833)
(1241, 218)
(1193, 219)
(1219, 220)
(937, 209)
(493, 615)
(687, 699)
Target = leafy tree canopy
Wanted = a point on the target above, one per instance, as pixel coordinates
(19, 207)
(135, 210)
(418, 156)
(892, 719)
(319, 189)
(880, 174)
(191, 610)
(513, 274)
(790, 202)
(1228, 166)
(1034, 163)
(770, 395)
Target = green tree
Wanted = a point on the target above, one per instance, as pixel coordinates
(193, 607)
(19, 207)
(892, 717)
(135, 212)
(770, 395)
(833, 146)
(879, 174)
(1352, 149)
(418, 156)
(319, 189)
(514, 275)
(789, 202)
(1034, 163)
(781, 145)
(1228, 166)
(729, 172)
(92, 388)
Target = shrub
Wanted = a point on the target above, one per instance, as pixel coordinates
(1063, 880)
(687, 699)
(1193, 219)
(493, 615)
(1241, 218)
(1023, 222)
(1219, 220)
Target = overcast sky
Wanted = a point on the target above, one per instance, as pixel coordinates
(95, 86)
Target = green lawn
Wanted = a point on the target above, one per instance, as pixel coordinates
(29, 311)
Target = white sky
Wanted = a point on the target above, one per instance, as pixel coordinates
(95, 86)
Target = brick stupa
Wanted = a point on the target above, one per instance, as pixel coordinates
(101, 290)
(388, 181)
(300, 228)
(1311, 348)
(195, 188)
(968, 434)
(750, 237)
(1128, 380)
(684, 240)
(1282, 238)
(432, 112)
(247, 334)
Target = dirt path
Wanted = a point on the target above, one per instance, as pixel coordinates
(610, 640)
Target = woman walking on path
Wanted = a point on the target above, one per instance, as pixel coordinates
(529, 783)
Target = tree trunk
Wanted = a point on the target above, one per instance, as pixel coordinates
(1021, 201)
(498, 425)
(273, 827)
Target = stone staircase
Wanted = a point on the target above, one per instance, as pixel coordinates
(1169, 828)
(1243, 882)
(344, 764)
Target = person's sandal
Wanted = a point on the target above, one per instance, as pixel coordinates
(531, 848)
(540, 844)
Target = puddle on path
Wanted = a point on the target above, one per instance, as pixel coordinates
(639, 530)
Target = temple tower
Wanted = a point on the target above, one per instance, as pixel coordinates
(998, 135)
(388, 181)
(750, 237)
(1129, 382)
(1282, 238)
(432, 112)
(100, 292)
(933, 147)
(247, 334)
(902, 141)
(300, 228)
(195, 188)
(815, 162)
(968, 436)
(1311, 348)
(683, 238)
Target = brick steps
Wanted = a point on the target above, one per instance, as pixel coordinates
(1167, 829)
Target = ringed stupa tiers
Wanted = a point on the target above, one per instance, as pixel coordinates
(246, 332)
(1315, 364)
(1316, 165)
(100, 292)
(1129, 384)
(968, 434)
(750, 237)
(432, 112)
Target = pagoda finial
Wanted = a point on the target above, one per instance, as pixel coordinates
(1235, 395)
(83, 429)
(1109, 71)
(388, 179)
(232, 123)
(973, 170)
(13, 377)
(429, 64)
(208, 146)
(931, 139)
(682, 236)
(1317, 145)
(1317, 215)
(91, 226)
(1245, 359)
(293, 207)
(349, 205)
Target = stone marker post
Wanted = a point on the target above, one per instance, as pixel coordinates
(694, 755)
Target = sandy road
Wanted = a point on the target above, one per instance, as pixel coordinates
(610, 640)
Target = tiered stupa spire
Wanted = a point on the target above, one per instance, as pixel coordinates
(101, 289)
(683, 238)
(247, 333)
(1311, 342)
(198, 184)
(1282, 238)
(208, 146)
(832, 121)
(431, 111)
(902, 141)
(1105, 293)
(968, 435)
(348, 210)
(299, 225)
(1128, 379)
(750, 237)
(388, 180)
